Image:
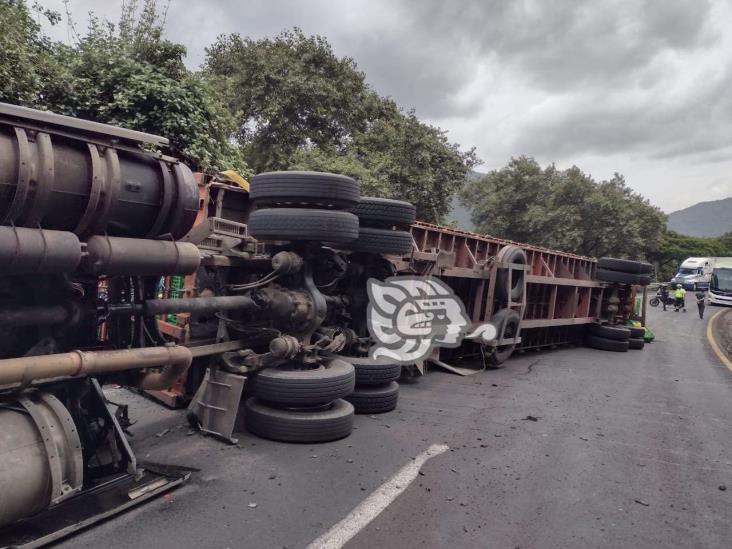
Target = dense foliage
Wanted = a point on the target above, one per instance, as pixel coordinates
(24, 52)
(676, 247)
(564, 209)
(125, 74)
(300, 106)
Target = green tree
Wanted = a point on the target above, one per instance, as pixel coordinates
(399, 157)
(127, 75)
(289, 91)
(302, 107)
(24, 52)
(675, 248)
(566, 209)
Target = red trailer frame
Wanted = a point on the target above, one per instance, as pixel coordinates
(560, 293)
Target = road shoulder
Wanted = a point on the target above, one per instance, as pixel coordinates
(719, 334)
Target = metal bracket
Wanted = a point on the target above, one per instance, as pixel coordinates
(215, 406)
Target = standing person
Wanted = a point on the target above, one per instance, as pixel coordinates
(664, 295)
(700, 304)
(679, 296)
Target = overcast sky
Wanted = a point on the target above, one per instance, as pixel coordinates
(639, 87)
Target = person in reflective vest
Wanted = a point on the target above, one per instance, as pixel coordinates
(679, 296)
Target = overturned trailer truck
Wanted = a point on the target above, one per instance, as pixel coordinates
(269, 304)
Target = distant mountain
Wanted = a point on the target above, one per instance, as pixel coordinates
(704, 219)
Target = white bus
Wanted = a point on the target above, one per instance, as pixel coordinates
(720, 285)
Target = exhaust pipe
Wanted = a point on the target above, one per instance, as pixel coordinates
(174, 360)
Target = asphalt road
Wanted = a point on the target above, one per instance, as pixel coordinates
(628, 450)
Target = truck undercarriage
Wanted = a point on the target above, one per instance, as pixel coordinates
(120, 266)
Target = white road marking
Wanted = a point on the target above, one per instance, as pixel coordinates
(380, 499)
(714, 344)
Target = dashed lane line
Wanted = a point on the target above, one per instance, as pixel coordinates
(372, 506)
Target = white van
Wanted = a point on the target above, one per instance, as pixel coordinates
(695, 273)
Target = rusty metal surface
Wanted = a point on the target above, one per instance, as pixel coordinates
(492, 239)
(25, 370)
(559, 290)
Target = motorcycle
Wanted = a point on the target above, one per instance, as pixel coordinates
(655, 301)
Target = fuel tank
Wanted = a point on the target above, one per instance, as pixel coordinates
(67, 174)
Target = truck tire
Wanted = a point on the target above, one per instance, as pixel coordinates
(384, 212)
(515, 287)
(617, 277)
(644, 280)
(374, 372)
(618, 333)
(636, 332)
(508, 324)
(292, 387)
(375, 400)
(313, 189)
(624, 265)
(381, 241)
(333, 423)
(636, 343)
(606, 344)
(303, 224)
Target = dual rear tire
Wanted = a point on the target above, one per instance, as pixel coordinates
(623, 271)
(383, 226)
(293, 404)
(304, 206)
(615, 338)
(331, 422)
(326, 207)
(377, 390)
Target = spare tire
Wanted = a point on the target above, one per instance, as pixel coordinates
(636, 332)
(617, 277)
(288, 385)
(371, 371)
(332, 423)
(618, 333)
(606, 344)
(303, 224)
(380, 241)
(514, 287)
(636, 343)
(375, 400)
(384, 212)
(624, 265)
(314, 189)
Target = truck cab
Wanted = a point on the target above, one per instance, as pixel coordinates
(694, 273)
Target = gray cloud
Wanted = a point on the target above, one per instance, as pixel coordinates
(633, 86)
